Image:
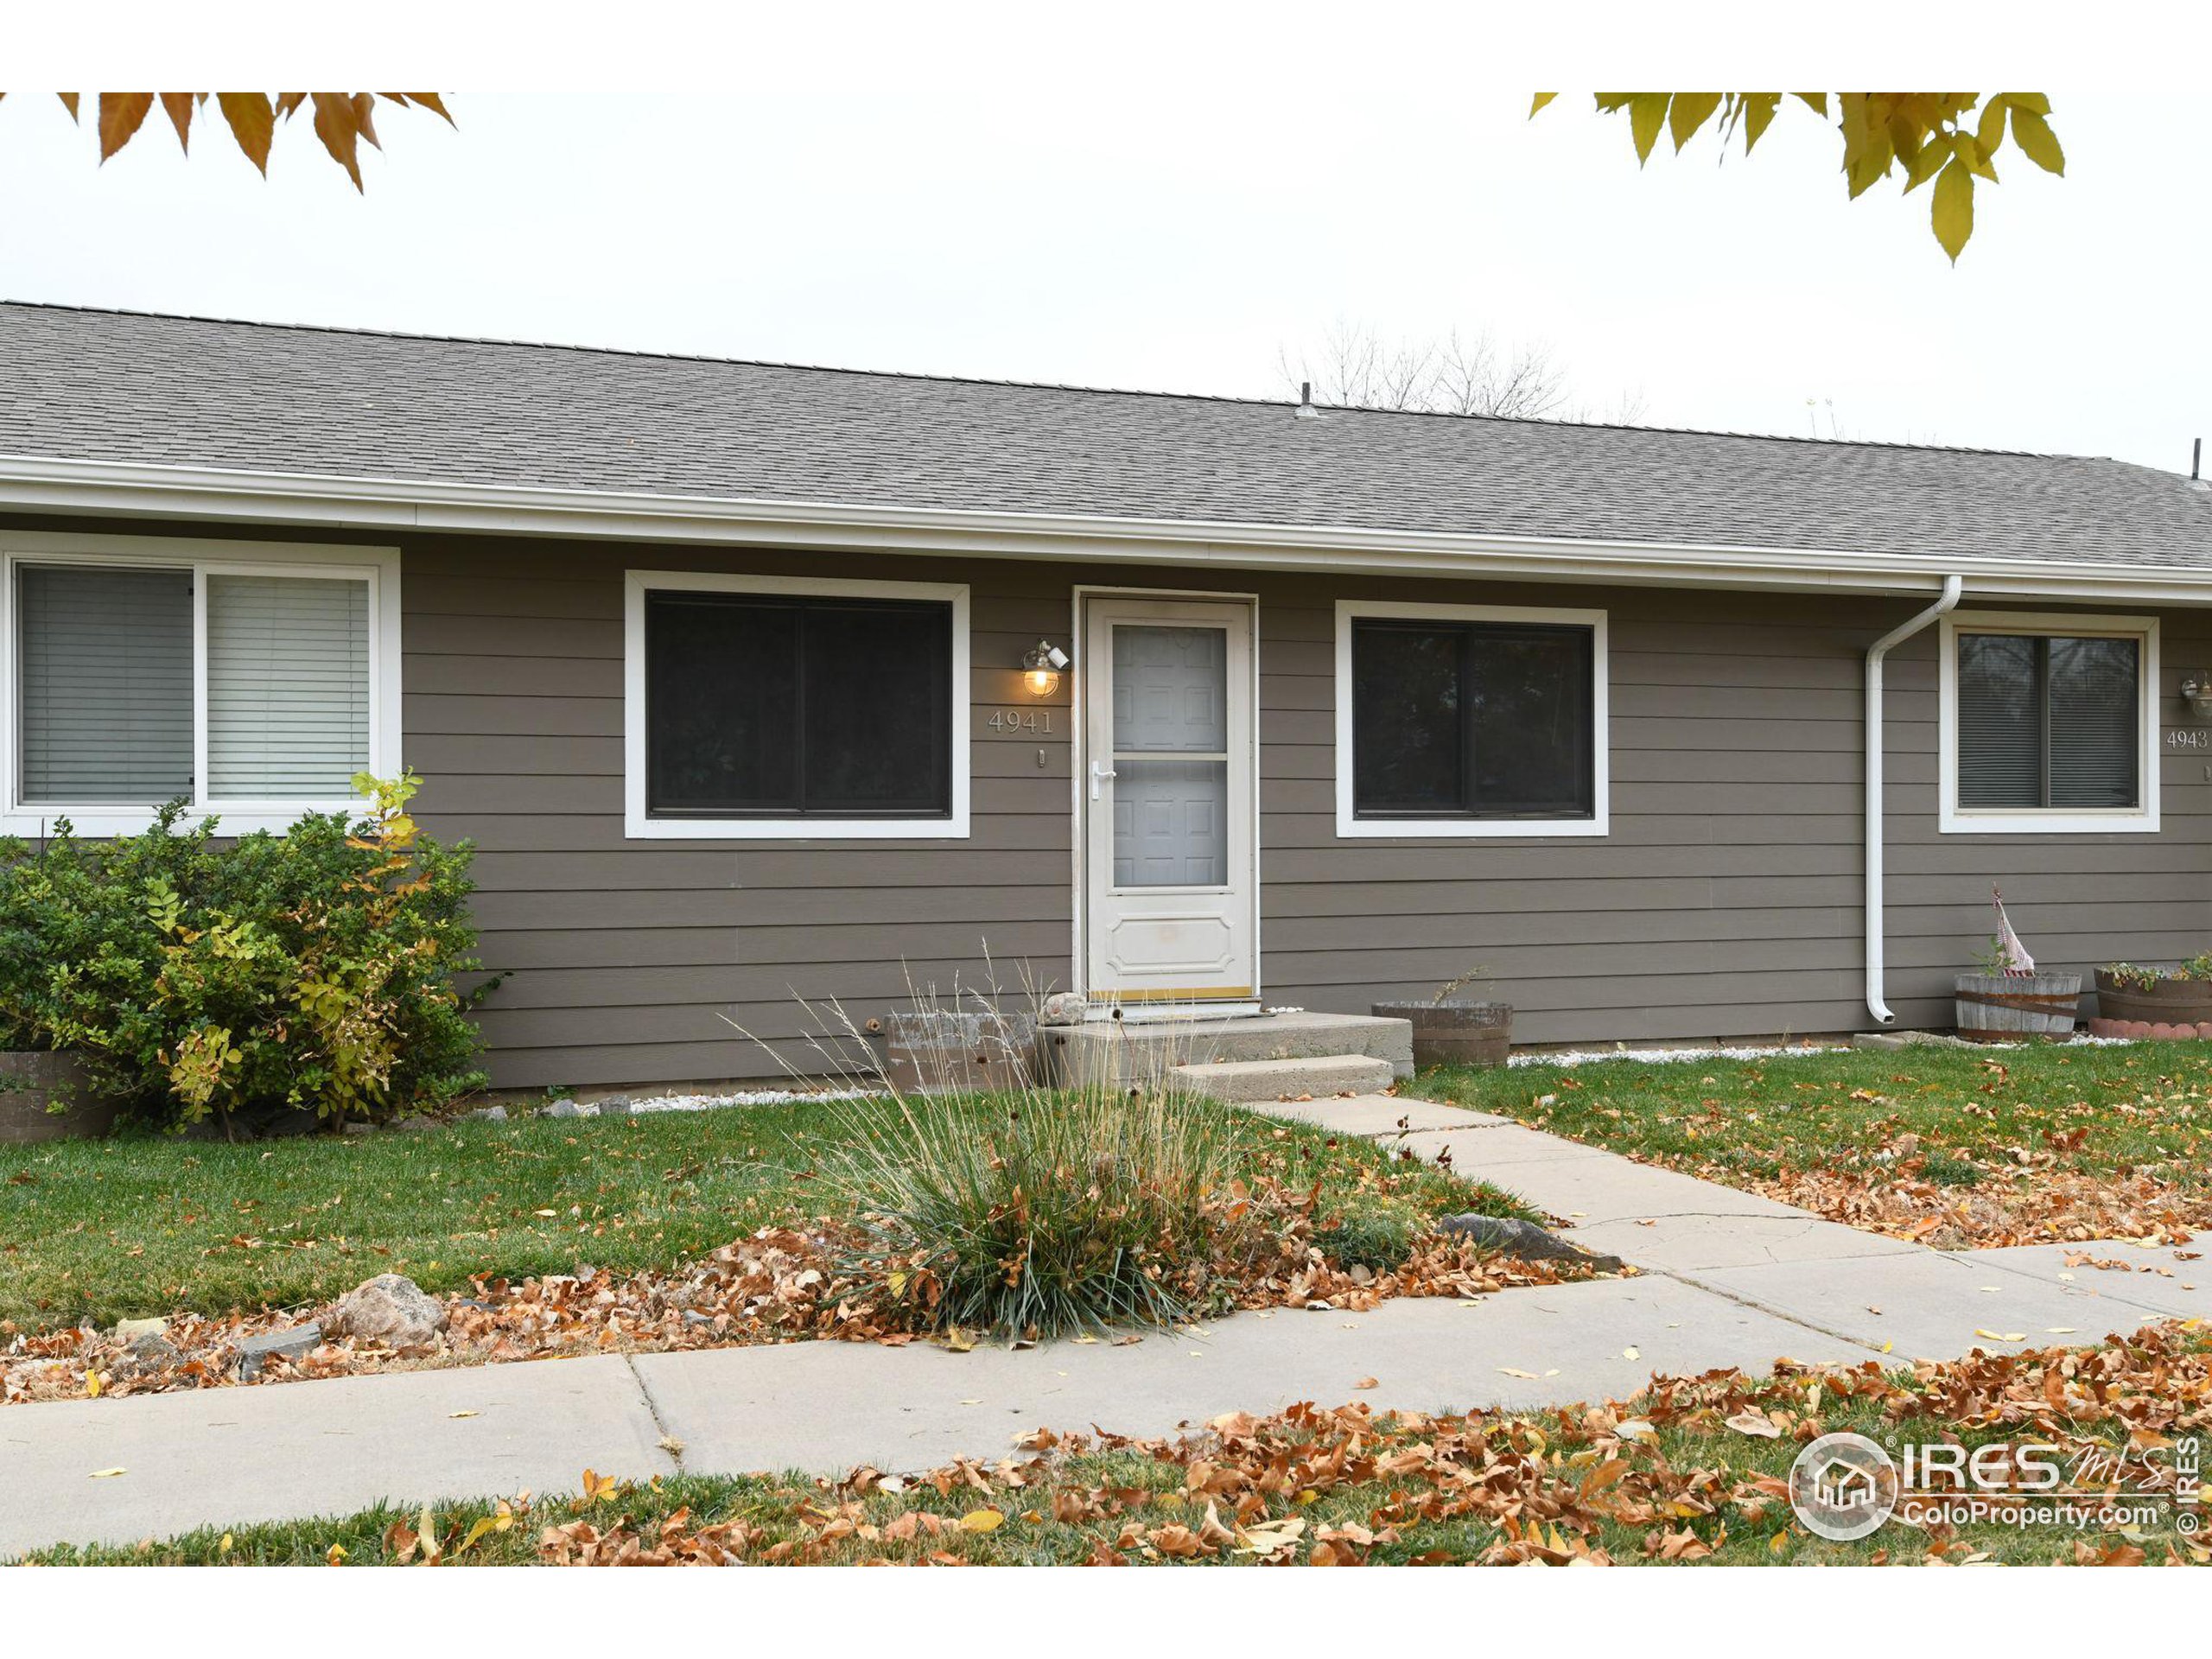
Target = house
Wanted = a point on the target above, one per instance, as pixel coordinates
(742, 678)
(1839, 1484)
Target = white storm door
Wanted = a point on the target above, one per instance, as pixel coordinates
(1170, 822)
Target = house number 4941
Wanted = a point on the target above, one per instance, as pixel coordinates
(1020, 720)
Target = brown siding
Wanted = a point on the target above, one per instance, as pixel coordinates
(637, 961)
(1724, 901)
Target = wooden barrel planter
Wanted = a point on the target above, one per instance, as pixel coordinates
(2004, 1007)
(2162, 1002)
(1455, 1033)
(33, 1082)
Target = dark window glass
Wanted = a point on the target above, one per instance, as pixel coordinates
(764, 706)
(2048, 722)
(1407, 712)
(1472, 720)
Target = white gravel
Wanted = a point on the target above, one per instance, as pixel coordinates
(1672, 1056)
(639, 1103)
(1665, 1056)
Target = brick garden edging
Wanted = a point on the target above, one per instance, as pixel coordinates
(2142, 1029)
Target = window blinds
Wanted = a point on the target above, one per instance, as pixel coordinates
(105, 666)
(2094, 752)
(2049, 721)
(2000, 720)
(288, 687)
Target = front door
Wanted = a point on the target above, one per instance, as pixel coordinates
(1171, 826)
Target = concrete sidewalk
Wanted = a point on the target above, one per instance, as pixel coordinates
(1906, 1301)
(300, 1449)
(1729, 1278)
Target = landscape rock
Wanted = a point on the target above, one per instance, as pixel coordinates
(290, 1342)
(563, 1109)
(615, 1106)
(1523, 1240)
(489, 1114)
(149, 1351)
(129, 1331)
(391, 1309)
(1063, 1008)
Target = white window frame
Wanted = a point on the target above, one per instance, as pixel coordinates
(1952, 819)
(1351, 824)
(639, 825)
(377, 566)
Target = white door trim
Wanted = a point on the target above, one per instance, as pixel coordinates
(1078, 766)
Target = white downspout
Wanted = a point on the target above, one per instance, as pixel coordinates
(1875, 653)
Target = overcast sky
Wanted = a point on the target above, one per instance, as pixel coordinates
(1114, 223)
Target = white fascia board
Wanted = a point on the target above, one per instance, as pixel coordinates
(36, 484)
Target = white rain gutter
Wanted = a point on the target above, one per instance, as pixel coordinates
(230, 496)
(1875, 653)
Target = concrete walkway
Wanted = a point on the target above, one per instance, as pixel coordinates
(1729, 1278)
(1907, 1301)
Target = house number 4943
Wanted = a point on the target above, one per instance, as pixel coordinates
(1020, 720)
(2189, 737)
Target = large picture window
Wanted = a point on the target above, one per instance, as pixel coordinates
(138, 673)
(1458, 720)
(763, 706)
(2048, 722)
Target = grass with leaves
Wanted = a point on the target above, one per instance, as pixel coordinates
(1960, 1146)
(128, 1227)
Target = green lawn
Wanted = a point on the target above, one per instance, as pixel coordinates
(2009, 1128)
(1698, 1488)
(130, 1227)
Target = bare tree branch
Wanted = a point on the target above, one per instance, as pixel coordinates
(1355, 367)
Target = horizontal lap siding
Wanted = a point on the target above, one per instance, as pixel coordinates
(644, 961)
(1727, 898)
(1724, 900)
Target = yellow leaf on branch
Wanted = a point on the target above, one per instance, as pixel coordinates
(1952, 138)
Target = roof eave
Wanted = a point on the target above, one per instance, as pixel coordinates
(46, 485)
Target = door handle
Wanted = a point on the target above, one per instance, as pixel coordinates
(1098, 775)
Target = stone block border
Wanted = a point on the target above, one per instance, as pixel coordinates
(2140, 1030)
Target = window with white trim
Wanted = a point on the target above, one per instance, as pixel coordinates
(2048, 723)
(245, 680)
(773, 706)
(1460, 720)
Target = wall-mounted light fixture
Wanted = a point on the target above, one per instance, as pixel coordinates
(2196, 692)
(1041, 667)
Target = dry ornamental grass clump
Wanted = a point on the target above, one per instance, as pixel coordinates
(1072, 1212)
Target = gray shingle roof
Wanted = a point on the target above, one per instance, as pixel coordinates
(101, 385)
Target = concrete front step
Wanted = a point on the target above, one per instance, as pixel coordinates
(1113, 1051)
(1316, 1075)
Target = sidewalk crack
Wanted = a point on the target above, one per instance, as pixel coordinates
(669, 1443)
(1753, 1303)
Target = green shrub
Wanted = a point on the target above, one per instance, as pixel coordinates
(1072, 1212)
(2130, 977)
(309, 970)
